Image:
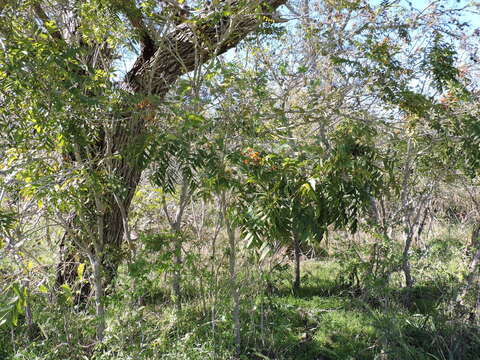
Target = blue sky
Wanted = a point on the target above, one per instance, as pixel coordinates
(473, 19)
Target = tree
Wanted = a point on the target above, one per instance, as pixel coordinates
(294, 198)
(69, 52)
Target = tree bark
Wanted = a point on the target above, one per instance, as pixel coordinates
(406, 260)
(99, 295)
(297, 253)
(407, 208)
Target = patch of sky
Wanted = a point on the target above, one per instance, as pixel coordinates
(470, 8)
(470, 13)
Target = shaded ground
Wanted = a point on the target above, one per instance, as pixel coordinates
(325, 320)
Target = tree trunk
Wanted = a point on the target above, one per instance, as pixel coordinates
(176, 226)
(235, 292)
(113, 233)
(99, 295)
(296, 251)
(407, 215)
(406, 260)
(476, 317)
(474, 238)
(473, 269)
(421, 226)
(177, 278)
(233, 276)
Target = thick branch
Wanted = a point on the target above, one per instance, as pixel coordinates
(191, 43)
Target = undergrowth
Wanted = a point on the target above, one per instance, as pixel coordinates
(327, 318)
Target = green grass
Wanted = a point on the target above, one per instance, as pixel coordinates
(326, 319)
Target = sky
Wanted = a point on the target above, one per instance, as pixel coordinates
(473, 19)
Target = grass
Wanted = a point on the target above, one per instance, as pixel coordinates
(326, 320)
